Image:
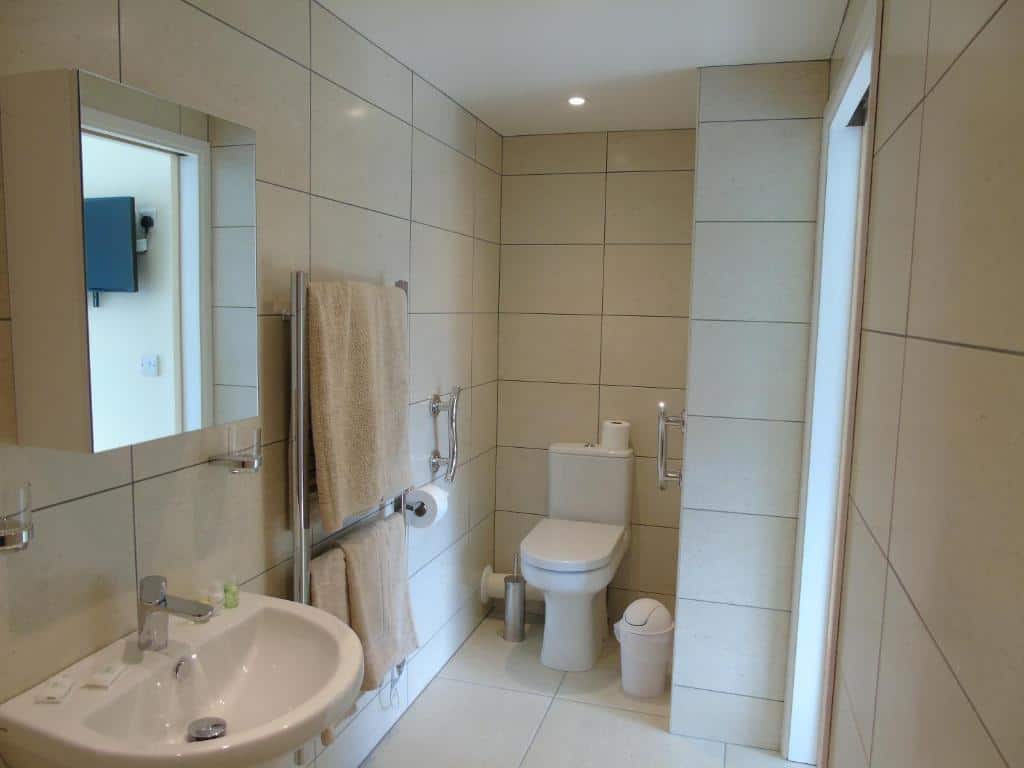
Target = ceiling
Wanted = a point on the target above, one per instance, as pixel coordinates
(514, 63)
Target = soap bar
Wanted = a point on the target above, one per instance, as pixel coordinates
(105, 676)
(56, 689)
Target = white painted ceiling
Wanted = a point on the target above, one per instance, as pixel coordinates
(515, 62)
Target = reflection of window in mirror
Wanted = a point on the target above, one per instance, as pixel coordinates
(135, 308)
(170, 226)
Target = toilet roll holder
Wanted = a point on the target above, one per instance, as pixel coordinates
(664, 422)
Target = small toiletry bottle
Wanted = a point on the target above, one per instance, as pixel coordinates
(215, 596)
(231, 593)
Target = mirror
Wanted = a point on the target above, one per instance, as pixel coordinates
(164, 266)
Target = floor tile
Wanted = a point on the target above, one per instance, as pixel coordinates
(578, 735)
(456, 724)
(486, 659)
(747, 757)
(603, 685)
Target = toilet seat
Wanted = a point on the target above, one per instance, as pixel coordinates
(571, 546)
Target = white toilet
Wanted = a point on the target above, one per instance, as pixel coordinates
(572, 555)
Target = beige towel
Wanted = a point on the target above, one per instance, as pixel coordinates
(328, 586)
(378, 596)
(359, 395)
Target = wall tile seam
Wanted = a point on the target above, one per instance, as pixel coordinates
(586, 243)
(309, 68)
(754, 221)
(454, 544)
(641, 591)
(748, 321)
(83, 497)
(929, 90)
(592, 384)
(412, 71)
(794, 118)
(591, 314)
(945, 660)
(770, 420)
(643, 172)
(727, 604)
(593, 133)
(633, 523)
(728, 693)
(764, 64)
(350, 204)
(845, 691)
(193, 465)
(468, 388)
(740, 513)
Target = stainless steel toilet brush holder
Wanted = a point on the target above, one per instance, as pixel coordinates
(515, 604)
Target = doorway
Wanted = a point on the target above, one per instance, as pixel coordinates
(831, 395)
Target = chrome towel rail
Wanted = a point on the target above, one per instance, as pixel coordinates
(664, 422)
(300, 449)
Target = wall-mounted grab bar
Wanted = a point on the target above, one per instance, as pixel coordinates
(437, 461)
(664, 422)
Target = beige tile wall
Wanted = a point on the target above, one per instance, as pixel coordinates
(365, 171)
(594, 307)
(758, 143)
(931, 636)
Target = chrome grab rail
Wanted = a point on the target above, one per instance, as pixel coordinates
(437, 461)
(665, 421)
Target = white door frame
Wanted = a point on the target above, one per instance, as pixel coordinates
(821, 541)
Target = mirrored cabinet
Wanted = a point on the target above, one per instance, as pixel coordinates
(131, 243)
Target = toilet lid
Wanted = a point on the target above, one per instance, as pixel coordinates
(570, 546)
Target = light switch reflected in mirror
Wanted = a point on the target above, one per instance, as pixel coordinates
(169, 219)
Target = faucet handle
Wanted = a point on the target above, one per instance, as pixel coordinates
(153, 590)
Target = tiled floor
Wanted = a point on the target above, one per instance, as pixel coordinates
(496, 706)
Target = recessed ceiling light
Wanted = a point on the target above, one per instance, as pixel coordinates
(577, 101)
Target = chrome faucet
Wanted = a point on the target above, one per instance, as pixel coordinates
(155, 605)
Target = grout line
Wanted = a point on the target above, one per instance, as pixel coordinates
(593, 384)
(660, 243)
(195, 465)
(945, 342)
(120, 40)
(666, 129)
(804, 323)
(754, 221)
(540, 725)
(839, 32)
(727, 693)
(591, 314)
(743, 514)
(730, 605)
(309, 68)
(794, 119)
(691, 414)
(392, 56)
(84, 496)
(928, 91)
(942, 655)
(135, 522)
(660, 172)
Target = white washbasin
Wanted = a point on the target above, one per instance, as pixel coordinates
(277, 672)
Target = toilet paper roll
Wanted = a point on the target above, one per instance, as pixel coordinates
(614, 434)
(425, 506)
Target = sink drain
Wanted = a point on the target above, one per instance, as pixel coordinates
(207, 728)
